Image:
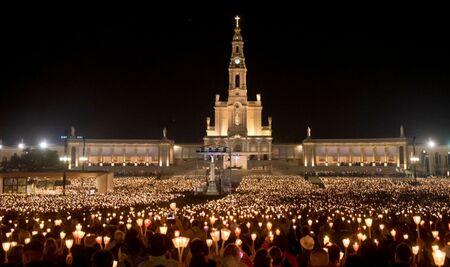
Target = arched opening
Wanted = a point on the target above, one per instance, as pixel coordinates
(253, 147)
(237, 49)
(264, 147)
(237, 81)
(237, 148)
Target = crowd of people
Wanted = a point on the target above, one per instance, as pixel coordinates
(267, 221)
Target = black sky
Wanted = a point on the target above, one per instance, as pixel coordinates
(128, 71)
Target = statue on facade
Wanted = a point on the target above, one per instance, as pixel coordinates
(237, 119)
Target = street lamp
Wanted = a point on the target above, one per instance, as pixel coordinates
(21, 145)
(65, 160)
(414, 159)
(43, 144)
(431, 144)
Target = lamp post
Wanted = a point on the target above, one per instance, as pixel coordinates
(43, 145)
(414, 159)
(431, 144)
(65, 159)
(21, 145)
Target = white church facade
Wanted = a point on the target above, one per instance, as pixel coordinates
(238, 123)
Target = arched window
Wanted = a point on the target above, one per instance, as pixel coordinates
(237, 81)
(237, 49)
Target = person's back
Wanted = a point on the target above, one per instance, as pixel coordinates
(102, 258)
(262, 258)
(318, 258)
(50, 252)
(33, 253)
(158, 249)
(403, 256)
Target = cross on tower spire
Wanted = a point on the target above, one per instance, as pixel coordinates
(237, 18)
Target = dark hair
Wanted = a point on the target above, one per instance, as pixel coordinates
(102, 258)
(157, 245)
(134, 246)
(276, 255)
(198, 247)
(262, 258)
(403, 253)
(34, 246)
(79, 255)
(354, 260)
(334, 253)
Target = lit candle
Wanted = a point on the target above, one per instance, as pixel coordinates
(393, 233)
(163, 229)
(69, 244)
(237, 231)
(439, 257)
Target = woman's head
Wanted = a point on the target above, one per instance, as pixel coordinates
(262, 258)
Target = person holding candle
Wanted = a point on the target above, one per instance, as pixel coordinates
(51, 252)
(15, 256)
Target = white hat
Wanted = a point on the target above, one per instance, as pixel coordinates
(307, 242)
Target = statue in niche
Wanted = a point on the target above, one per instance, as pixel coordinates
(237, 119)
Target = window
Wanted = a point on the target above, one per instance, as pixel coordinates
(14, 185)
(237, 49)
(237, 82)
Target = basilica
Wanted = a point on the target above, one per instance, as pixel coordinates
(244, 137)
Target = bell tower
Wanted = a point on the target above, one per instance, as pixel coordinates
(237, 85)
(238, 123)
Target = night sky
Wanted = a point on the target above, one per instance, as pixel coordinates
(129, 71)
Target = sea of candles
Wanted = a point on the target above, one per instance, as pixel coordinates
(262, 208)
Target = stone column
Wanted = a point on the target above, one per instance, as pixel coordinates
(362, 156)
(373, 155)
(350, 156)
(405, 157)
(259, 150)
(270, 151)
(338, 150)
(385, 155)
